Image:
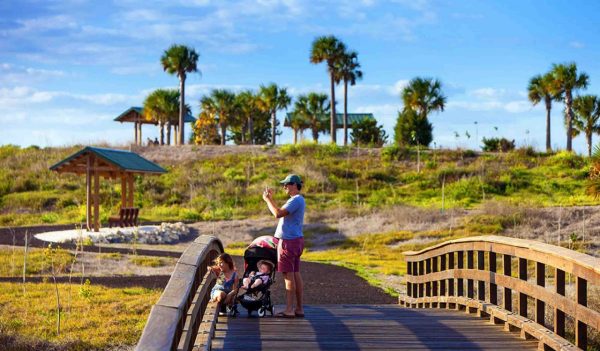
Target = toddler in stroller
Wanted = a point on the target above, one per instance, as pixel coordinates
(259, 273)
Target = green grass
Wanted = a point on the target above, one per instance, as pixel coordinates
(148, 261)
(101, 318)
(38, 262)
(230, 186)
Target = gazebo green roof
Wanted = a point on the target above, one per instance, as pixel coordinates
(125, 161)
(135, 114)
(352, 118)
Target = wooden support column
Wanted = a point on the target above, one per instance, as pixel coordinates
(123, 190)
(130, 190)
(96, 196)
(451, 280)
(493, 286)
(540, 306)
(135, 132)
(522, 296)
(581, 327)
(140, 134)
(559, 315)
(507, 270)
(88, 193)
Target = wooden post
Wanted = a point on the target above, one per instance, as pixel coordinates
(522, 296)
(470, 283)
(415, 286)
(451, 280)
(480, 283)
(581, 327)
(123, 190)
(88, 193)
(507, 270)
(135, 132)
(540, 306)
(409, 284)
(559, 316)
(130, 190)
(421, 285)
(140, 134)
(493, 286)
(427, 271)
(460, 286)
(96, 196)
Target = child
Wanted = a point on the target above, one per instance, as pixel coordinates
(254, 279)
(225, 289)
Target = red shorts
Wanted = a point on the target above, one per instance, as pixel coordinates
(288, 255)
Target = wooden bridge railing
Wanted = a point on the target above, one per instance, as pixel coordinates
(436, 277)
(175, 319)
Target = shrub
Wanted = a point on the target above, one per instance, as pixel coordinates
(497, 144)
(412, 129)
(367, 132)
(395, 152)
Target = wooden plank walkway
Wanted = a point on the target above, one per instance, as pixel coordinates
(366, 327)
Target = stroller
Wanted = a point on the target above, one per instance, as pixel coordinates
(259, 298)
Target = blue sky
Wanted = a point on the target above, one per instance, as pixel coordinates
(68, 68)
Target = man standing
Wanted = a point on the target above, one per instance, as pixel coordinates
(291, 242)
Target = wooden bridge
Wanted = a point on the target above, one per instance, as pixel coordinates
(456, 299)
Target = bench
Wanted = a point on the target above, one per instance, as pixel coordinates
(128, 217)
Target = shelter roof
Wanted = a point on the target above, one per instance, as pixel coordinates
(136, 114)
(352, 118)
(112, 162)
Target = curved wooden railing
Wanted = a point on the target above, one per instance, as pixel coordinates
(436, 277)
(175, 319)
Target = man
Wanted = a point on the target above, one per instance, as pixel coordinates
(291, 242)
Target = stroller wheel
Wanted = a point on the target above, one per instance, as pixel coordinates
(262, 312)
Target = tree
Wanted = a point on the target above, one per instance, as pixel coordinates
(544, 88)
(162, 106)
(273, 98)
(586, 118)
(298, 123)
(314, 107)
(248, 108)
(180, 60)
(331, 50)
(205, 128)
(348, 71)
(225, 108)
(367, 132)
(424, 95)
(412, 129)
(568, 81)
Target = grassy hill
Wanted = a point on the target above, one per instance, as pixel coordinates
(227, 184)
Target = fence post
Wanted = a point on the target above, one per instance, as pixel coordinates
(507, 270)
(522, 296)
(540, 306)
(493, 286)
(581, 328)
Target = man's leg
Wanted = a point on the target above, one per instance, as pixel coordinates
(290, 287)
(299, 293)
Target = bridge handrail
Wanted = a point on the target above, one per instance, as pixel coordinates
(174, 320)
(432, 274)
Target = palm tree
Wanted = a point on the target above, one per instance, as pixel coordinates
(298, 123)
(248, 108)
(568, 80)
(348, 70)
(331, 50)
(273, 98)
(587, 116)
(314, 107)
(180, 60)
(224, 105)
(423, 95)
(544, 88)
(162, 106)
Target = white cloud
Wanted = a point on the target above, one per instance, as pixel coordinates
(577, 44)
(487, 93)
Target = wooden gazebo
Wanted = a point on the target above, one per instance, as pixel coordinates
(108, 163)
(135, 115)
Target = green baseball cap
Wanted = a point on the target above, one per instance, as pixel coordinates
(291, 178)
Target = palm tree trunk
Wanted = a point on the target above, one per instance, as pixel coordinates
(175, 135)
(315, 134)
(273, 126)
(180, 139)
(169, 133)
(333, 115)
(568, 102)
(162, 133)
(223, 133)
(589, 143)
(251, 128)
(345, 112)
(295, 136)
(548, 108)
